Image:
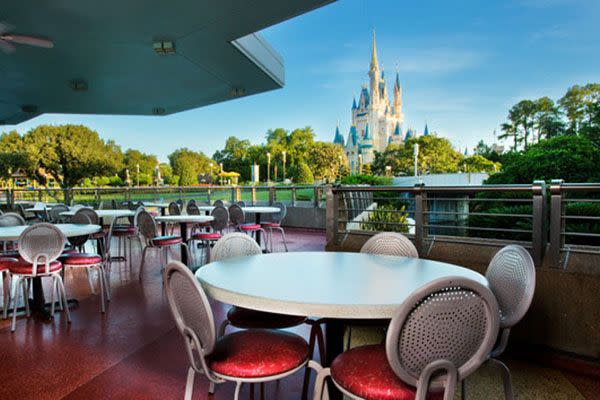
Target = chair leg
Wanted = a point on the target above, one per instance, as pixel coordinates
(506, 379)
(143, 261)
(53, 296)
(311, 349)
(189, 385)
(463, 388)
(102, 289)
(320, 392)
(25, 283)
(238, 386)
(283, 238)
(5, 294)
(64, 297)
(90, 280)
(211, 388)
(14, 297)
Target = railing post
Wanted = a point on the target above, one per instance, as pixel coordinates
(253, 194)
(208, 195)
(272, 195)
(293, 201)
(556, 223)
(538, 235)
(316, 196)
(40, 197)
(420, 199)
(233, 196)
(331, 215)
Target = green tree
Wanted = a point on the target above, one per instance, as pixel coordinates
(12, 155)
(548, 119)
(580, 105)
(436, 156)
(304, 174)
(187, 164)
(478, 163)
(326, 160)
(482, 149)
(147, 163)
(70, 153)
(572, 158)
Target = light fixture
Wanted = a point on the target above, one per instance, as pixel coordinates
(78, 85)
(29, 108)
(158, 111)
(237, 92)
(163, 47)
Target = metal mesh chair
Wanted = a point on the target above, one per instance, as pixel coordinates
(241, 203)
(219, 203)
(147, 227)
(219, 360)
(511, 277)
(390, 244)
(275, 223)
(39, 247)
(239, 245)
(92, 262)
(218, 224)
(441, 334)
(54, 213)
(174, 209)
(192, 209)
(238, 220)
(10, 219)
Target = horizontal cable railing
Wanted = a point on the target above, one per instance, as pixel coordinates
(295, 196)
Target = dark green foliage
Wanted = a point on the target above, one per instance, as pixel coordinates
(387, 218)
(364, 179)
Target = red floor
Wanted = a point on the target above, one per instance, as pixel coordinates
(134, 352)
(131, 352)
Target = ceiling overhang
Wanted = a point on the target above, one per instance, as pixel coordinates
(103, 61)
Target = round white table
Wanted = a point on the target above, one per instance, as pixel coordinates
(335, 286)
(12, 233)
(183, 220)
(104, 213)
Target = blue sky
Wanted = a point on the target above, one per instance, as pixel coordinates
(462, 64)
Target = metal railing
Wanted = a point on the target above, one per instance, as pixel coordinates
(552, 221)
(295, 196)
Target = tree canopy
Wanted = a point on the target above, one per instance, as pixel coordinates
(188, 164)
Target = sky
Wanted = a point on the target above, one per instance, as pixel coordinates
(462, 65)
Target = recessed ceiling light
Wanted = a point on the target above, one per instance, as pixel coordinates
(163, 47)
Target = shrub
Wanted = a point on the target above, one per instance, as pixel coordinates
(304, 174)
(387, 219)
(364, 179)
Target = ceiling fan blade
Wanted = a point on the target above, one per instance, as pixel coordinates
(7, 47)
(30, 40)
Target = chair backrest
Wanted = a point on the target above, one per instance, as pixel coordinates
(448, 325)
(236, 215)
(146, 224)
(390, 244)
(114, 205)
(241, 203)
(221, 218)
(11, 219)
(91, 214)
(174, 209)
(192, 209)
(21, 210)
(191, 201)
(218, 203)
(232, 245)
(41, 244)
(511, 277)
(138, 210)
(279, 216)
(100, 205)
(191, 310)
(79, 218)
(55, 212)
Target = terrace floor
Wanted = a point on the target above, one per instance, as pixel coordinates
(135, 352)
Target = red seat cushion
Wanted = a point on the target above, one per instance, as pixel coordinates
(258, 353)
(5, 261)
(126, 230)
(271, 224)
(25, 268)
(81, 259)
(166, 240)
(249, 227)
(365, 372)
(245, 318)
(206, 236)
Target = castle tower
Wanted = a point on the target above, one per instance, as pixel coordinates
(374, 74)
(398, 98)
(338, 138)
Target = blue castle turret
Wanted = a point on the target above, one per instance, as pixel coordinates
(338, 139)
(426, 131)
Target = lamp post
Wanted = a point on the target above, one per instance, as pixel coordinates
(416, 152)
(283, 153)
(268, 168)
(137, 174)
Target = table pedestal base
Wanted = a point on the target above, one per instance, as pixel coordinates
(334, 346)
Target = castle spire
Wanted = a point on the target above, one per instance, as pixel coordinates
(397, 97)
(374, 74)
(374, 62)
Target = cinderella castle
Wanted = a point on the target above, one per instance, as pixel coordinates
(376, 122)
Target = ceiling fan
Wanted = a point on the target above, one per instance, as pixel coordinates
(8, 40)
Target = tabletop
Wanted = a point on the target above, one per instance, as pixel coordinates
(155, 205)
(248, 210)
(104, 213)
(323, 284)
(12, 233)
(184, 218)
